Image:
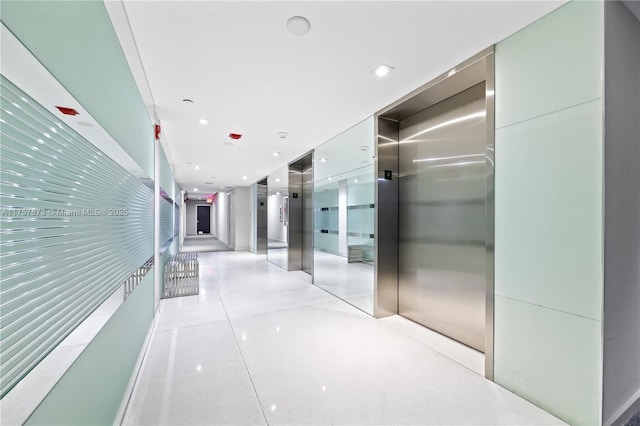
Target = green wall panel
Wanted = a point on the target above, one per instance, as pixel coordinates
(91, 391)
(552, 64)
(550, 358)
(76, 42)
(549, 212)
(549, 208)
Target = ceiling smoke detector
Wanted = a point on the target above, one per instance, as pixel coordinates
(298, 25)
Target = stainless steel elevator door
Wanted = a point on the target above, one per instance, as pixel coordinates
(262, 218)
(307, 217)
(442, 227)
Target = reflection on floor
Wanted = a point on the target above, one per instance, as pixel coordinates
(203, 243)
(260, 345)
(351, 282)
(278, 253)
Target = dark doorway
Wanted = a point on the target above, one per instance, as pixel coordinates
(203, 220)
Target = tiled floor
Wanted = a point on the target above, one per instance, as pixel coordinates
(260, 345)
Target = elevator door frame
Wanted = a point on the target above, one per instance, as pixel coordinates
(262, 233)
(479, 68)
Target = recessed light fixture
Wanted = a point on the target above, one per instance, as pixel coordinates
(277, 179)
(364, 148)
(229, 143)
(330, 178)
(298, 25)
(323, 159)
(282, 135)
(197, 167)
(84, 124)
(203, 121)
(275, 154)
(277, 193)
(195, 189)
(382, 70)
(244, 178)
(356, 181)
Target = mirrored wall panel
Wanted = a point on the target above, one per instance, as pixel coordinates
(278, 217)
(343, 216)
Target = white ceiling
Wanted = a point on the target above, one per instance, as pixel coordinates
(247, 74)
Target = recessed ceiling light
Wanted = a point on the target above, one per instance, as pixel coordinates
(382, 70)
(364, 148)
(356, 181)
(195, 189)
(330, 178)
(197, 167)
(298, 25)
(203, 121)
(277, 179)
(244, 178)
(85, 124)
(277, 193)
(323, 159)
(229, 143)
(275, 154)
(282, 135)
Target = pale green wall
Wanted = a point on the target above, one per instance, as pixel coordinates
(90, 392)
(76, 42)
(548, 223)
(166, 175)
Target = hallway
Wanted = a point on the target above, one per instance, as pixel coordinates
(203, 243)
(260, 345)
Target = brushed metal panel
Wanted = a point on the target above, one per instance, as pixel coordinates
(490, 217)
(465, 75)
(261, 217)
(307, 215)
(442, 217)
(386, 220)
(295, 218)
(277, 239)
(301, 214)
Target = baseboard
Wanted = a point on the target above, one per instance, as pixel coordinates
(625, 412)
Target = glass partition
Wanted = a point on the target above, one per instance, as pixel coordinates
(344, 216)
(278, 217)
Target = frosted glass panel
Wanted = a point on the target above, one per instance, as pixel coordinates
(344, 215)
(166, 222)
(552, 64)
(550, 210)
(550, 358)
(74, 226)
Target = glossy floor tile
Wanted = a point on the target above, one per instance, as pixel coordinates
(351, 282)
(271, 348)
